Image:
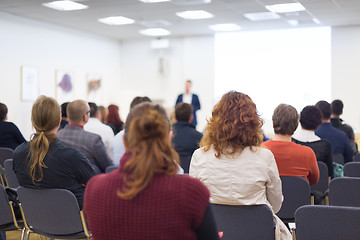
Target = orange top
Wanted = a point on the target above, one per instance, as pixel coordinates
(294, 160)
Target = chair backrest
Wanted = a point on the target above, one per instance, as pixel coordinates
(253, 222)
(327, 222)
(345, 191)
(50, 211)
(10, 174)
(5, 153)
(323, 183)
(296, 192)
(6, 216)
(352, 169)
(338, 158)
(111, 168)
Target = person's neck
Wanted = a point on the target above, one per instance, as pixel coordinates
(283, 138)
(334, 116)
(326, 120)
(81, 124)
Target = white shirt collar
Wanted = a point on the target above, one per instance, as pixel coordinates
(304, 135)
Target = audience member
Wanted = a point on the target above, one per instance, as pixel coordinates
(190, 98)
(64, 118)
(231, 163)
(310, 119)
(45, 162)
(185, 138)
(292, 159)
(94, 125)
(144, 198)
(10, 135)
(118, 148)
(90, 144)
(337, 110)
(104, 113)
(114, 119)
(338, 140)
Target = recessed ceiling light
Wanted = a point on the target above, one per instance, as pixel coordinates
(196, 14)
(116, 20)
(156, 32)
(293, 22)
(154, 1)
(225, 27)
(261, 16)
(286, 7)
(65, 5)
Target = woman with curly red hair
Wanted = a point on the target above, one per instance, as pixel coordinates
(231, 163)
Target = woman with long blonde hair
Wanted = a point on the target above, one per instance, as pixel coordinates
(44, 162)
(231, 163)
(145, 198)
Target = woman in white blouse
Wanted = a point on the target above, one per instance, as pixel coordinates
(231, 163)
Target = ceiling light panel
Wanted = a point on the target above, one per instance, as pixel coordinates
(116, 20)
(196, 14)
(225, 27)
(65, 5)
(261, 16)
(285, 7)
(155, 32)
(154, 1)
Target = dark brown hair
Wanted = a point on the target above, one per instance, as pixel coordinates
(234, 125)
(183, 111)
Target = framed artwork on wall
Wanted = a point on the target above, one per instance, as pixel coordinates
(64, 86)
(94, 83)
(29, 83)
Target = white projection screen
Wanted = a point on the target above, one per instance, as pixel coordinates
(291, 66)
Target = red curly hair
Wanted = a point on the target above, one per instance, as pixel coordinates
(234, 125)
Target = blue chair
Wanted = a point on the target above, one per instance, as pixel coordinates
(250, 222)
(111, 168)
(352, 169)
(10, 174)
(54, 213)
(345, 191)
(327, 222)
(5, 153)
(323, 184)
(296, 192)
(8, 221)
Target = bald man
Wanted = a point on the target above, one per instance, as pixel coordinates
(74, 135)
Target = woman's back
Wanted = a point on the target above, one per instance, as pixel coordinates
(170, 207)
(240, 179)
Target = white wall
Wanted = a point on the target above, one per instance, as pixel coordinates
(346, 72)
(186, 58)
(49, 48)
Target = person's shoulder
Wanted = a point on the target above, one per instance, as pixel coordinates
(22, 147)
(97, 182)
(193, 185)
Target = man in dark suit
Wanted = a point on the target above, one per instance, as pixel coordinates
(185, 137)
(190, 98)
(90, 144)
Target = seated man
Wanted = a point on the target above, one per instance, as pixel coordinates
(336, 110)
(340, 143)
(88, 143)
(185, 137)
(94, 125)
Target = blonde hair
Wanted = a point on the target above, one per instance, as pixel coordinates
(147, 139)
(45, 116)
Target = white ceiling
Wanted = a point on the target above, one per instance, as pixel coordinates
(329, 12)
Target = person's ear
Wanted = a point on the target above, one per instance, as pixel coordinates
(191, 118)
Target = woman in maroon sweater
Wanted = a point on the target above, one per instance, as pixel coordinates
(145, 198)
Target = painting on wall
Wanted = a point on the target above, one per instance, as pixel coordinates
(29, 83)
(94, 83)
(64, 86)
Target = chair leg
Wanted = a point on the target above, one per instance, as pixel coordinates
(22, 234)
(293, 234)
(27, 235)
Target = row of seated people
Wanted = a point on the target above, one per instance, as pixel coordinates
(232, 137)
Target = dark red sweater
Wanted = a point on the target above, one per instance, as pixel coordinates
(171, 207)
